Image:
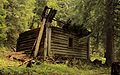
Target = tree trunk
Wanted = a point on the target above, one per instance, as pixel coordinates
(109, 32)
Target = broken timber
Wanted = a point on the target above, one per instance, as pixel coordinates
(45, 18)
(39, 38)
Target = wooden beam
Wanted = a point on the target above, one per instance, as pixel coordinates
(45, 42)
(49, 41)
(39, 38)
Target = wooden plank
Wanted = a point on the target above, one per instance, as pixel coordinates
(58, 42)
(46, 43)
(24, 48)
(49, 41)
(27, 37)
(59, 45)
(66, 53)
(61, 30)
(68, 50)
(59, 38)
(39, 38)
(80, 55)
(26, 41)
(25, 45)
(58, 32)
(59, 35)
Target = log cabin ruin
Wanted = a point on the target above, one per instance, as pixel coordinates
(50, 41)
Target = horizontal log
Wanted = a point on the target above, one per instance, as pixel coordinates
(71, 51)
(24, 48)
(77, 48)
(63, 53)
(65, 35)
(25, 45)
(59, 38)
(66, 44)
(59, 45)
(28, 36)
(60, 48)
(56, 28)
(72, 54)
(58, 42)
(26, 41)
(59, 35)
(30, 31)
(59, 32)
(62, 34)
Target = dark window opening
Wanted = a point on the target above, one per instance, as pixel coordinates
(70, 42)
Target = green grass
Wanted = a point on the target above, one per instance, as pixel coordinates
(51, 69)
(8, 67)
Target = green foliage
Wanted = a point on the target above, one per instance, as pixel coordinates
(14, 18)
(44, 68)
(48, 69)
(2, 22)
(117, 29)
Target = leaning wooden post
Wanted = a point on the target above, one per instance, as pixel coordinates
(44, 19)
(39, 38)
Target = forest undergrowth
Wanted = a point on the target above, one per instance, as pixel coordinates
(11, 67)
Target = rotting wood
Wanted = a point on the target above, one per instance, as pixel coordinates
(49, 41)
(27, 38)
(59, 45)
(59, 38)
(66, 51)
(70, 51)
(39, 38)
(46, 17)
(68, 54)
(59, 35)
(45, 43)
(55, 42)
(26, 41)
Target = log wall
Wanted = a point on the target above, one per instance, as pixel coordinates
(60, 44)
(57, 44)
(26, 41)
